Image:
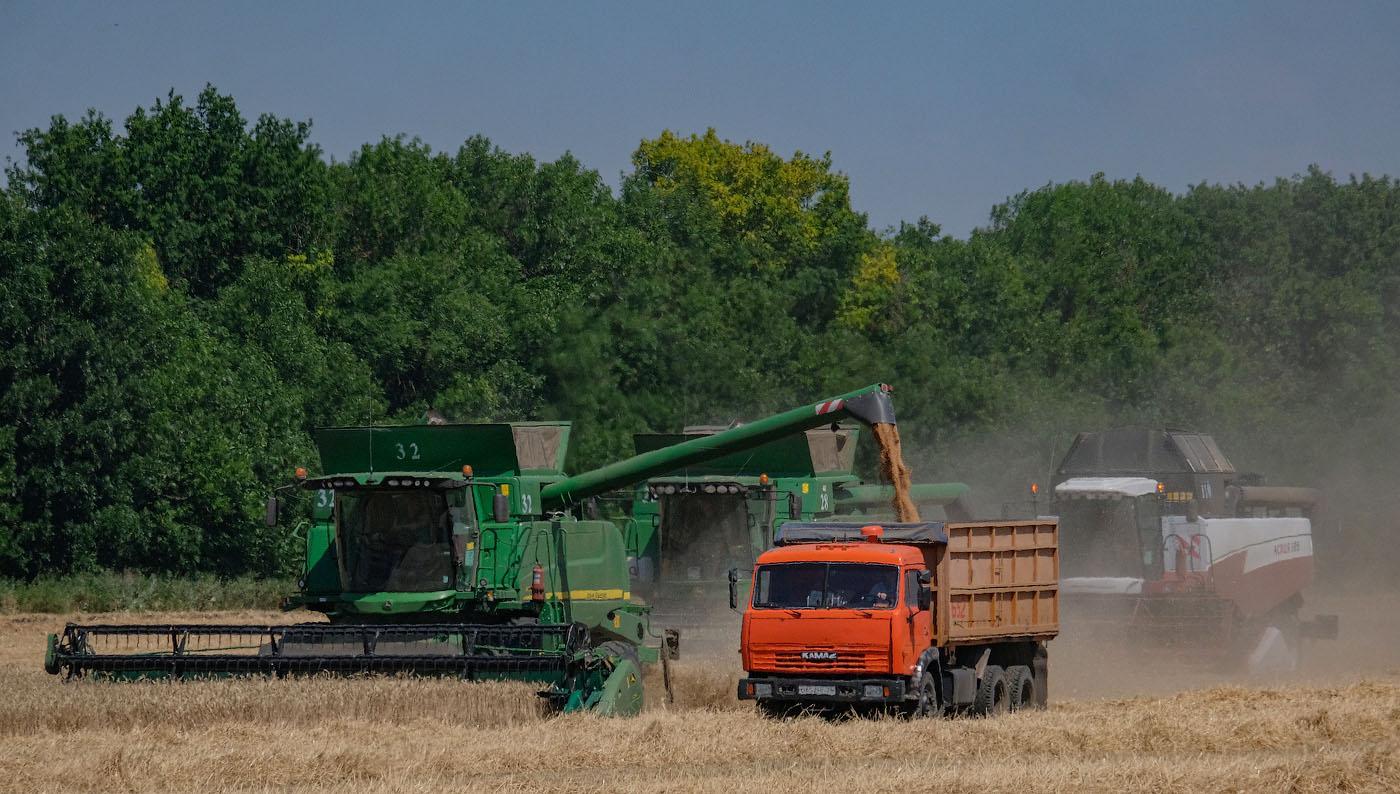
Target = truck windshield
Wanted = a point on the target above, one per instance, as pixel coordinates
(822, 585)
(394, 541)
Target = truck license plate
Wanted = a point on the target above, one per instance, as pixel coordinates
(815, 689)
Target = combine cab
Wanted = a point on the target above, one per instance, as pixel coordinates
(1160, 534)
(453, 549)
(689, 527)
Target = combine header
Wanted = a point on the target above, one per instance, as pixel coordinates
(454, 550)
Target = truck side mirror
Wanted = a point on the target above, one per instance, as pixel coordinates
(733, 588)
(273, 508)
(925, 590)
(500, 508)
(794, 506)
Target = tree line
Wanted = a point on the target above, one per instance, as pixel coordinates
(184, 297)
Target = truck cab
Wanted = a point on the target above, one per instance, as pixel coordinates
(923, 618)
(849, 609)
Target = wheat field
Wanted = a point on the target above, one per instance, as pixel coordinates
(1331, 727)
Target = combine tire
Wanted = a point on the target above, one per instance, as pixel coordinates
(991, 693)
(927, 703)
(1020, 689)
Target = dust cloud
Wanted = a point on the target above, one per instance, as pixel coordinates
(1353, 460)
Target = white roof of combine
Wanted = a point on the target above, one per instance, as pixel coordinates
(1107, 486)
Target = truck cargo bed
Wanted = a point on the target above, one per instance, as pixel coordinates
(997, 580)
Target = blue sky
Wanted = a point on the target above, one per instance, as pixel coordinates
(931, 109)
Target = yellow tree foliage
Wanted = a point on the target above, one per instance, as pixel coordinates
(872, 286)
(778, 208)
(148, 269)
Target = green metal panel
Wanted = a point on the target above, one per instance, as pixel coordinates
(490, 449)
(933, 493)
(786, 456)
(322, 576)
(870, 405)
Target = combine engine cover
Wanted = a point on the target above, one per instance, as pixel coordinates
(1257, 563)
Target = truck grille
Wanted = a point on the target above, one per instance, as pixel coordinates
(848, 660)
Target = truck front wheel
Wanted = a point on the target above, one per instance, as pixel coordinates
(927, 703)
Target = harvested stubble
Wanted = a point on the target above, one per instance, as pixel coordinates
(414, 735)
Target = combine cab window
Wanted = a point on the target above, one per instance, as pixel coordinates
(819, 585)
(703, 536)
(395, 541)
(1100, 537)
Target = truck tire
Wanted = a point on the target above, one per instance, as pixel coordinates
(926, 705)
(991, 697)
(1020, 689)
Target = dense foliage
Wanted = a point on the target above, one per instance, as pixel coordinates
(182, 299)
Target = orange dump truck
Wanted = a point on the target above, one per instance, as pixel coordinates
(928, 618)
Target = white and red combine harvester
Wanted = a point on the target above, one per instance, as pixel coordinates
(1162, 536)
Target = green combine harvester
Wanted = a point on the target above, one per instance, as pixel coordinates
(689, 527)
(454, 550)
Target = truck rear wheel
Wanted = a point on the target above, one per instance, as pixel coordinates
(991, 693)
(1020, 688)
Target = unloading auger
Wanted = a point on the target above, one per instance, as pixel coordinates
(453, 550)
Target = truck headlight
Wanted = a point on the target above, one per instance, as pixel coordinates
(763, 690)
(874, 690)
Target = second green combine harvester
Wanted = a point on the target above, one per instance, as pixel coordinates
(688, 527)
(457, 550)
